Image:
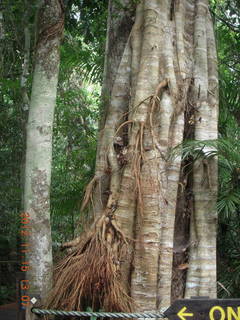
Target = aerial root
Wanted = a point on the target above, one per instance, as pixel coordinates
(137, 160)
(89, 191)
(154, 102)
(90, 276)
(122, 125)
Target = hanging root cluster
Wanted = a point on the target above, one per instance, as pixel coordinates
(90, 275)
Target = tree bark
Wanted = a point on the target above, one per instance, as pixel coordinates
(166, 80)
(201, 280)
(119, 24)
(39, 149)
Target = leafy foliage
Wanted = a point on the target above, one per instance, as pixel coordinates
(228, 152)
(227, 15)
(11, 119)
(74, 148)
(75, 127)
(78, 56)
(229, 256)
(84, 40)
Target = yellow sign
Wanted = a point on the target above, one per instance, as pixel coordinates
(215, 312)
(182, 315)
(228, 314)
(203, 308)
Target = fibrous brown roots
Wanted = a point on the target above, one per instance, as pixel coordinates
(90, 276)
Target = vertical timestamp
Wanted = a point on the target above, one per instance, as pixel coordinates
(25, 232)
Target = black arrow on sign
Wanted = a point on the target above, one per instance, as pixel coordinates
(204, 309)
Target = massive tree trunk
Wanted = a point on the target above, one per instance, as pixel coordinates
(39, 150)
(165, 84)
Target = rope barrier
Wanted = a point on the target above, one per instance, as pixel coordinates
(98, 314)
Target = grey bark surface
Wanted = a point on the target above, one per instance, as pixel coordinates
(39, 149)
(119, 25)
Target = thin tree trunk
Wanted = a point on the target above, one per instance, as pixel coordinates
(39, 148)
